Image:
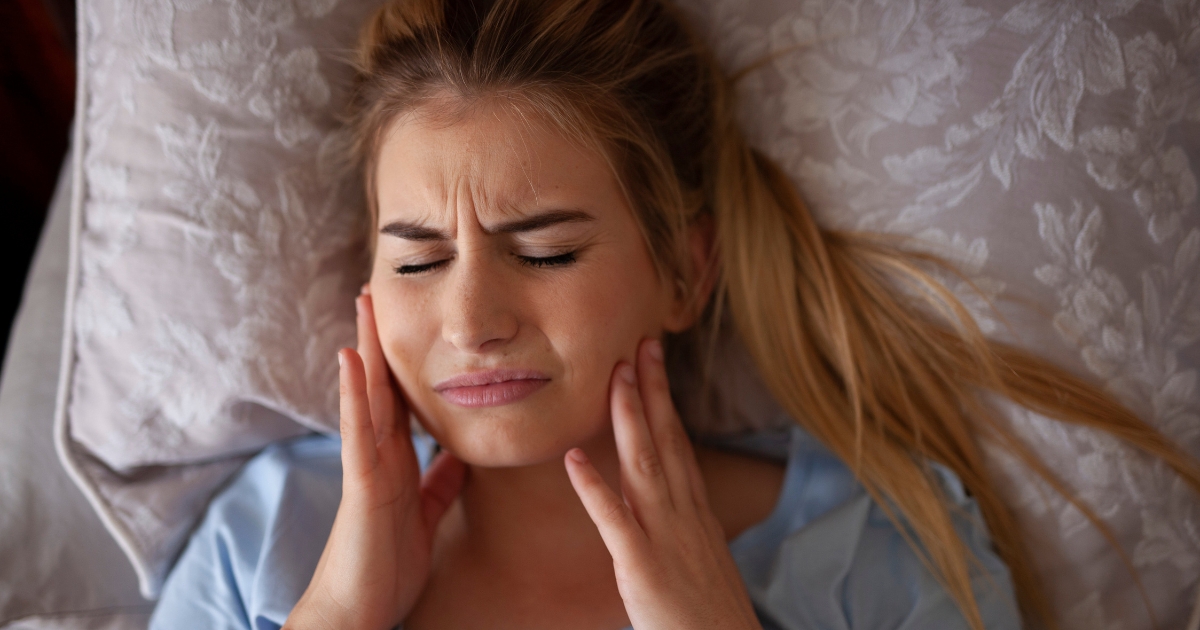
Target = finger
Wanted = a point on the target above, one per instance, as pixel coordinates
(642, 479)
(622, 534)
(380, 393)
(670, 440)
(442, 483)
(359, 456)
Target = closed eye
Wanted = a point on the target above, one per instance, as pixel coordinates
(411, 270)
(548, 261)
(531, 261)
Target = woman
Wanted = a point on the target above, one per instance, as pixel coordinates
(553, 188)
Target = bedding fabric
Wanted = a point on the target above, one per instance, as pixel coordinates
(59, 567)
(213, 249)
(1050, 147)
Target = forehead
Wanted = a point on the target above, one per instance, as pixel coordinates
(500, 159)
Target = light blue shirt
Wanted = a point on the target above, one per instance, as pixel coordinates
(825, 558)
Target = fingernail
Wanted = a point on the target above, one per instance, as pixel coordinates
(578, 455)
(358, 306)
(366, 289)
(627, 374)
(339, 355)
(654, 348)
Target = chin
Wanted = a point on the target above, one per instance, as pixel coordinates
(511, 436)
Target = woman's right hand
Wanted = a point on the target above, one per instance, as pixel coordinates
(377, 559)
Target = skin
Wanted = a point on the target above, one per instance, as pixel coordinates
(581, 505)
(485, 307)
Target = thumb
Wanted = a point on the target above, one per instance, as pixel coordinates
(439, 487)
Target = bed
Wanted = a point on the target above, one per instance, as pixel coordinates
(1052, 149)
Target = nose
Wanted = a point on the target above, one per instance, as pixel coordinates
(477, 313)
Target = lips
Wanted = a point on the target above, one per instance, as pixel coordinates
(491, 388)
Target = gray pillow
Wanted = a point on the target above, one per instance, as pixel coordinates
(214, 243)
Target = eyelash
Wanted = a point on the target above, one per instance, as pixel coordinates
(412, 270)
(548, 261)
(531, 261)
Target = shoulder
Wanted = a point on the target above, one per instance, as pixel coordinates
(829, 556)
(742, 489)
(253, 554)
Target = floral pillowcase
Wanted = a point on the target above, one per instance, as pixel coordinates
(1050, 148)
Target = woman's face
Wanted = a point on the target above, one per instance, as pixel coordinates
(509, 278)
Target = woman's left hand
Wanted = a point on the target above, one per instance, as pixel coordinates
(672, 562)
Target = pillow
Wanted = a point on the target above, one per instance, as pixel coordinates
(1050, 151)
(213, 248)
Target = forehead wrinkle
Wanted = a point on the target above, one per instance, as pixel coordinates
(527, 166)
(510, 150)
(502, 174)
(440, 191)
(488, 162)
(424, 187)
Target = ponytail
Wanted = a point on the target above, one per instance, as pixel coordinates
(884, 365)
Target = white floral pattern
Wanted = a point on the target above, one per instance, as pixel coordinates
(214, 236)
(1050, 147)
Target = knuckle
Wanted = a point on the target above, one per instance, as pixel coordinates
(648, 463)
(631, 405)
(677, 446)
(615, 512)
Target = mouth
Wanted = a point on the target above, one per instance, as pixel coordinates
(491, 388)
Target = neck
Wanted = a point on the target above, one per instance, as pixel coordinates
(529, 517)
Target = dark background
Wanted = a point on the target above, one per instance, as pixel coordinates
(37, 101)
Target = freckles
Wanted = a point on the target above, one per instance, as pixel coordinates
(597, 319)
(400, 320)
(406, 349)
(625, 293)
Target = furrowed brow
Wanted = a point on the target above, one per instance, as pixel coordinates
(541, 221)
(417, 232)
(413, 232)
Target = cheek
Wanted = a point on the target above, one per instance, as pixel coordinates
(598, 317)
(405, 328)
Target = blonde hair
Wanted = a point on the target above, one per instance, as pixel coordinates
(854, 337)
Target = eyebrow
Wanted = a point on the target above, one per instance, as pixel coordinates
(417, 232)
